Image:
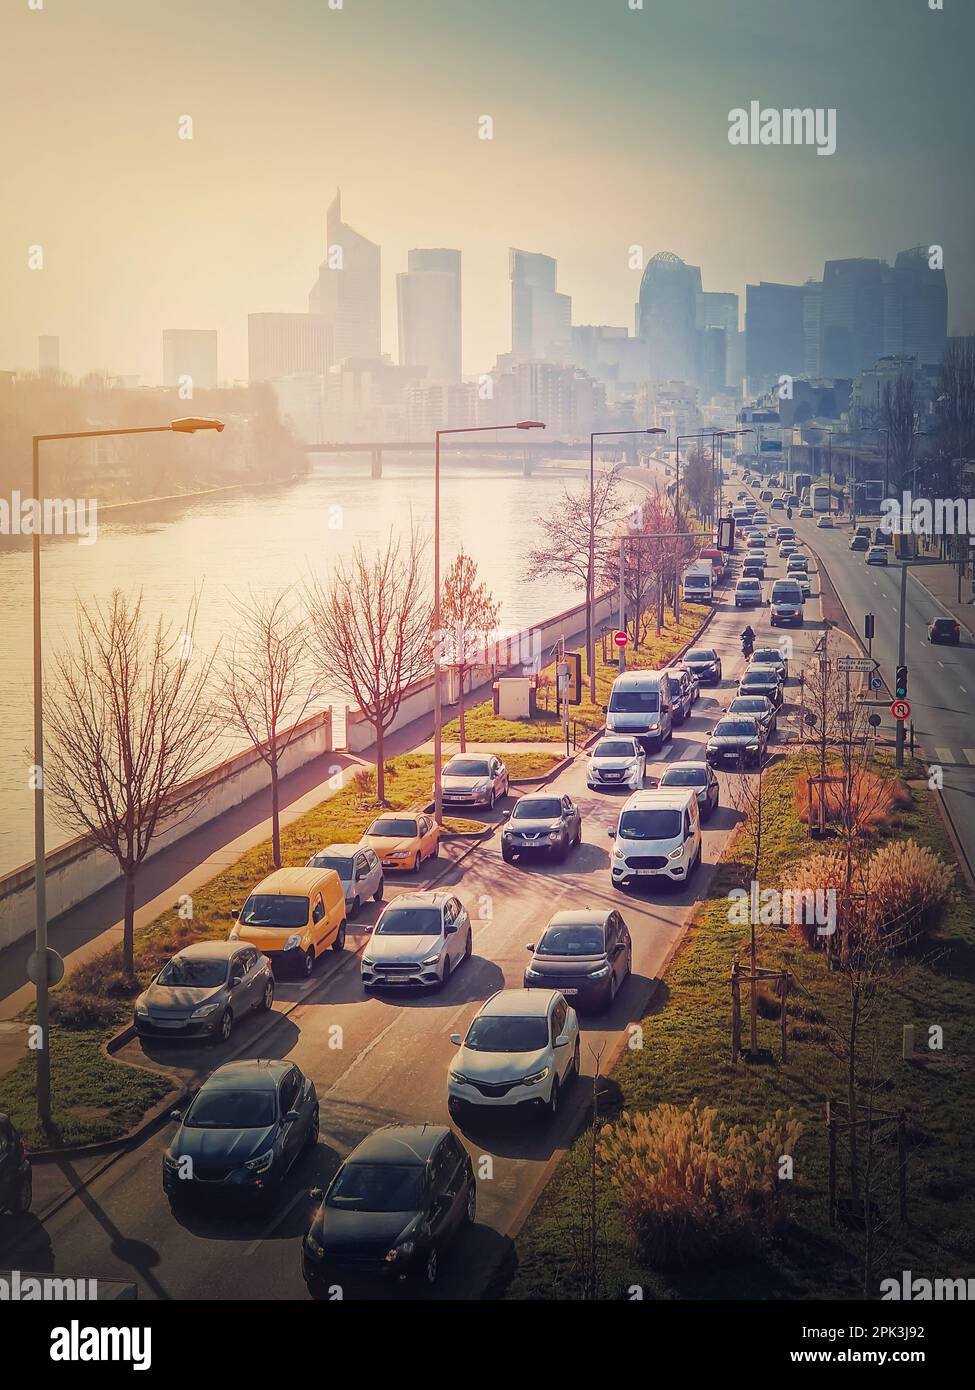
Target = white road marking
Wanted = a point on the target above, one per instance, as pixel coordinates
(970, 755)
(944, 755)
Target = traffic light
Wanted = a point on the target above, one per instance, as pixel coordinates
(900, 683)
(868, 626)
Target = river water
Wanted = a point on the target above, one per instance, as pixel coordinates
(224, 545)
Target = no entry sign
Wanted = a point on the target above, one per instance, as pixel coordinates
(620, 638)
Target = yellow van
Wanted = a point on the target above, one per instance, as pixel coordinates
(293, 915)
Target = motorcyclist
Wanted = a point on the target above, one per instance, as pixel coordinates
(788, 512)
(748, 640)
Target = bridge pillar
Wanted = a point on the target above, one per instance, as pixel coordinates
(526, 466)
(376, 471)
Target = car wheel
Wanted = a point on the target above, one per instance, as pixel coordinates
(507, 856)
(314, 1129)
(575, 1064)
(226, 1026)
(339, 943)
(430, 1267)
(308, 961)
(267, 999)
(553, 1100)
(446, 973)
(490, 804)
(377, 897)
(25, 1195)
(470, 1211)
(415, 869)
(354, 909)
(469, 945)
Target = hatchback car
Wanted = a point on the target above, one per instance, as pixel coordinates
(204, 990)
(584, 953)
(705, 663)
(859, 543)
(16, 1180)
(402, 841)
(770, 656)
(474, 780)
(806, 513)
(757, 707)
(359, 871)
(682, 693)
(522, 1049)
(797, 561)
(825, 523)
(542, 823)
(691, 773)
(762, 680)
(748, 593)
(778, 505)
(876, 555)
(418, 942)
(736, 742)
(242, 1132)
(787, 548)
(616, 761)
(753, 568)
(863, 531)
(944, 631)
(393, 1209)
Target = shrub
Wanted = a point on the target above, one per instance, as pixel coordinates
(689, 1184)
(77, 1012)
(365, 783)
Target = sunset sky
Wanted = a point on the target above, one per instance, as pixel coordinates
(611, 128)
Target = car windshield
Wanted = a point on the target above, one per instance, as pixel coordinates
(684, 777)
(467, 767)
(378, 1187)
(750, 704)
(501, 1033)
(220, 1109)
(654, 823)
(572, 939)
(762, 678)
(614, 748)
(766, 656)
(749, 584)
(390, 825)
(790, 594)
(635, 701)
(409, 921)
(537, 808)
(734, 728)
(274, 910)
(700, 655)
(342, 866)
(187, 970)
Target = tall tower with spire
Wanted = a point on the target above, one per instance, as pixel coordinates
(347, 291)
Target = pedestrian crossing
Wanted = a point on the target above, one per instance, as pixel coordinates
(943, 755)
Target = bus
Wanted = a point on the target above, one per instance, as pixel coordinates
(868, 496)
(819, 498)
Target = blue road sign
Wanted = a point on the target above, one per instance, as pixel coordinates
(876, 683)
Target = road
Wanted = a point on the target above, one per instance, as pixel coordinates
(377, 1059)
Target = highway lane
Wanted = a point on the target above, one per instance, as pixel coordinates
(381, 1059)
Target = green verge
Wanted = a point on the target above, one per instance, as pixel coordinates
(685, 1054)
(97, 1098)
(484, 726)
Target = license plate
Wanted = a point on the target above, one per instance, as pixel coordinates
(647, 872)
(568, 991)
(167, 1022)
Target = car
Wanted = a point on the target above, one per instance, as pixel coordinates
(785, 533)
(402, 840)
(695, 682)
(359, 871)
(760, 519)
(418, 941)
(765, 495)
(658, 837)
(748, 593)
(293, 916)
(542, 823)
(762, 680)
(757, 707)
(682, 694)
(521, 1050)
(640, 704)
(786, 604)
(477, 780)
(881, 537)
(16, 1177)
(797, 561)
(755, 542)
(863, 531)
(825, 523)
(616, 761)
(804, 582)
(859, 543)
(584, 953)
(778, 505)
(876, 555)
(787, 548)
(395, 1206)
(705, 663)
(806, 512)
(944, 631)
(692, 773)
(736, 741)
(753, 567)
(241, 1133)
(770, 656)
(204, 990)
(742, 495)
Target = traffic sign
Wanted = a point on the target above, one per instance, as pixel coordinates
(621, 638)
(49, 964)
(900, 709)
(857, 663)
(876, 682)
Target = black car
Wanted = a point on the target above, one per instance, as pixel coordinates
(705, 663)
(399, 1199)
(860, 543)
(736, 742)
(243, 1130)
(944, 631)
(770, 656)
(690, 773)
(585, 954)
(543, 823)
(16, 1182)
(682, 690)
(204, 990)
(757, 707)
(762, 680)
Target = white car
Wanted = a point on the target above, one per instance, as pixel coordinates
(616, 761)
(825, 523)
(418, 941)
(522, 1048)
(359, 870)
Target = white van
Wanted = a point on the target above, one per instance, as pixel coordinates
(658, 837)
(640, 704)
(697, 582)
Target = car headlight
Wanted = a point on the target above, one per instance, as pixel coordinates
(234, 935)
(314, 1247)
(751, 747)
(617, 854)
(484, 786)
(535, 1077)
(458, 1077)
(400, 854)
(403, 1251)
(676, 853)
(531, 974)
(170, 1160)
(431, 960)
(204, 1010)
(654, 725)
(140, 1008)
(293, 940)
(261, 1163)
(599, 974)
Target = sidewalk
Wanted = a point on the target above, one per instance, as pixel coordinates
(941, 582)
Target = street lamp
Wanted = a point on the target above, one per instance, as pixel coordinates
(591, 565)
(437, 713)
(189, 425)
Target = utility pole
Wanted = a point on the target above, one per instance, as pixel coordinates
(901, 661)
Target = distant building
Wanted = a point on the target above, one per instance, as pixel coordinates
(666, 317)
(915, 307)
(365, 398)
(541, 318)
(774, 343)
(671, 405)
(301, 403)
(347, 292)
(439, 405)
(283, 345)
(428, 301)
(48, 355)
(717, 310)
(190, 353)
(812, 329)
(853, 315)
(566, 398)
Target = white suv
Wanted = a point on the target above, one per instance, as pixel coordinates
(522, 1048)
(419, 940)
(658, 837)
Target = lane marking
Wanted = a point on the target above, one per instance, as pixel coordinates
(970, 755)
(944, 755)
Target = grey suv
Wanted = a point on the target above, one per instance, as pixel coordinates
(359, 871)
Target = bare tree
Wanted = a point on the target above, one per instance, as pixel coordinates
(900, 409)
(469, 613)
(268, 684)
(372, 624)
(129, 725)
(700, 483)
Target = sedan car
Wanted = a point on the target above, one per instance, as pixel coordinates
(736, 742)
(825, 523)
(682, 692)
(542, 823)
(584, 953)
(806, 513)
(242, 1132)
(204, 990)
(859, 543)
(16, 1179)
(705, 663)
(778, 505)
(418, 942)
(787, 548)
(770, 656)
(804, 582)
(522, 1049)
(757, 707)
(748, 593)
(393, 1208)
(616, 761)
(477, 780)
(944, 632)
(762, 680)
(876, 555)
(756, 541)
(403, 840)
(691, 773)
(359, 871)
(753, 568)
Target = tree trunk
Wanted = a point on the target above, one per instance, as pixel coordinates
(128, 924)
(461, 711)
(590, 652)
(275, 815)
(380, 770)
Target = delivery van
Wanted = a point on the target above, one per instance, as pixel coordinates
(293, 916)
(640, 704)
(658, 837)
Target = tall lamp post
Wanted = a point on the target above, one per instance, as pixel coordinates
(189, 425)
(437, 709)
(591, 565)
(702, 434)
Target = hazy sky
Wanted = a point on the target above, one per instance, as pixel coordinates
(610, 129)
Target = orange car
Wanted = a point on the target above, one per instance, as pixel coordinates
(403, 839)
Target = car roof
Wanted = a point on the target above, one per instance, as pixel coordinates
(210, 950)
(339, 849)
(662, 799)
(420, 897)
(455, 757)
(294, 882)
(411, 1145)
(518, 1003)
(638, 678)
(574, 917)
(248, 1074)
(683, 764)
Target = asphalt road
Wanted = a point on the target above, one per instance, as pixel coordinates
(381, 1059)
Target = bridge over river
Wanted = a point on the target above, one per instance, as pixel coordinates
(530, 451)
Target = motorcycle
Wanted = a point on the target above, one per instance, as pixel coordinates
(747, 645)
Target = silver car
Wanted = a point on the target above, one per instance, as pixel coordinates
(418, 942)
(204, 990)
(475, 778)
(359, 870)
(616, 761)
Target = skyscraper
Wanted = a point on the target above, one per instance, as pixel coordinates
(190, 353)
(347, 292)
(853, 315)
(717, 310)
(541, 318)
(280, 345)
(666, 318)
(774, 344)
(915, 308)
(428, 306)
